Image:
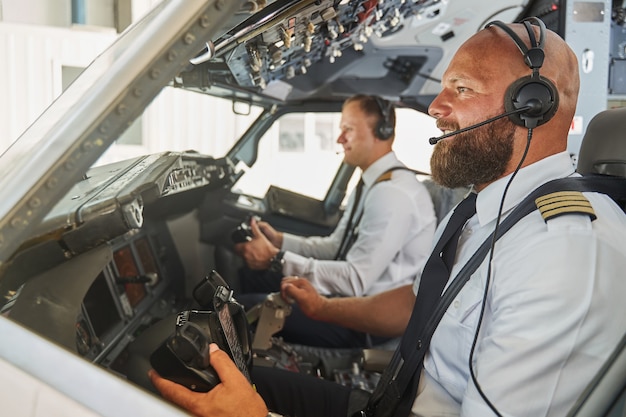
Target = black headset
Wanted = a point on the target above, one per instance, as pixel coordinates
(384, 127)
(533, 91)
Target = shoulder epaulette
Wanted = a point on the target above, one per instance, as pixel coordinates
(564, 202)
(385, 176)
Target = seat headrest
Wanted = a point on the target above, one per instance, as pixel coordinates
(603, 148)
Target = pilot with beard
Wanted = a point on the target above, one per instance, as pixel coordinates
(533, 325)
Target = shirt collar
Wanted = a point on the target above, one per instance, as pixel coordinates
(382, 164)
(559, 165)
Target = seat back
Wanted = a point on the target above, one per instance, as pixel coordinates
(444, 199)
(603, 148)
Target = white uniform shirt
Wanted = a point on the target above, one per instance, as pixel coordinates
(554, 311)
(393, 243)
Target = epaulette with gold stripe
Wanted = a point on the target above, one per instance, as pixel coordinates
(386, 176)
(564, 202)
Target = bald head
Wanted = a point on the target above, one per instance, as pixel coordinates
(500, 52)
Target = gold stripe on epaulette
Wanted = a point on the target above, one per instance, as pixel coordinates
(564, 202)
(384, 177)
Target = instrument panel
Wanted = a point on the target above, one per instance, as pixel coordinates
(132, 292)
(289, 37)
(266, 53)
(99, 273)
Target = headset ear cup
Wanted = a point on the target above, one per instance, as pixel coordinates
(383, 130)
(535, 91)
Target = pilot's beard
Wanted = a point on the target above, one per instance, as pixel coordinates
(479, 156)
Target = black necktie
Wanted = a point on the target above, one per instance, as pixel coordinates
(348, 234)
(437, 269)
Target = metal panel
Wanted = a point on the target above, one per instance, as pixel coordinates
(587, 29)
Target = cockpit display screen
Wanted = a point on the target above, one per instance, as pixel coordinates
(100, 306)
(126, 267)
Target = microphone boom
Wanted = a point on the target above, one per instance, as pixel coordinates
(434, 140)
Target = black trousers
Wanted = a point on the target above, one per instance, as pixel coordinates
(258, 282)
(299, 395)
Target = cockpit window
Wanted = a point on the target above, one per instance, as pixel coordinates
(299, 152)
(195, 122)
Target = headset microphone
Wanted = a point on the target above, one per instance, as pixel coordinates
(434, 140)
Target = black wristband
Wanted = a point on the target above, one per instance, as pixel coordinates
(277, 262)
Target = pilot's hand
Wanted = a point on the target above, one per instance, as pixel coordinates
(233, 397)
(272, 234)
(302, 292)
(258, 251)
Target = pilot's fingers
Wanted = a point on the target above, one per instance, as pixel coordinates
(283, 292)
(300, 283)
(311, 303)
(239, 248)
(298, 289)
(266, 228)
(225, 367)
(174, 392)
(254, 226)
(235, 396)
